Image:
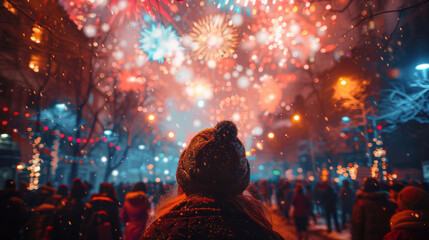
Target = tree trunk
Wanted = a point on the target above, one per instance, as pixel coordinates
(76, 148)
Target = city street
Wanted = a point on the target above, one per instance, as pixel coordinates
(316, 231)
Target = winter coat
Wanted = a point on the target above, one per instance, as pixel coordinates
(98, 204)
(347, 197)
(135, 214)
(329, 198)
(204, 218)
(69, 219)
(371, 214)
(12, 214)
(41, 223)
(409, 225)
(301, 205)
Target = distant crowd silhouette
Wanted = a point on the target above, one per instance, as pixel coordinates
(214, 199)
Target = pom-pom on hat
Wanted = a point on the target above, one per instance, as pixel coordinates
(214, 164)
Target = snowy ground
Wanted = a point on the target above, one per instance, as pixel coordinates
(316, 231)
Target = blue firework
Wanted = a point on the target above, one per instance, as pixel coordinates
(159, 42)
(241, 7)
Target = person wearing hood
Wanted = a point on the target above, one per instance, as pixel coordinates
(371, 212)
(70, 215)
(101, 217)
(411, 222)
(13, 211)
(135, 212)
(212, 174)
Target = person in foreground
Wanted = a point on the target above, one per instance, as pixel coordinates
(411, 222)
(212, 174)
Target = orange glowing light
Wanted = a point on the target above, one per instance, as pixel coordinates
(296, 117)
(270, 135)
(171, 134)
(151, 117)
(20, 166)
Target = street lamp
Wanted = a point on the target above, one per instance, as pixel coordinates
(423, 66)
(108, 132)
(60, 106)
(151, 117)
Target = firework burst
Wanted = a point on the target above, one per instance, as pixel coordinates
(159, 42)
(213, 38)
(134, 9)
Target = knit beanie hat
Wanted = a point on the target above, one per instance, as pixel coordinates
(214, 164)
(413, 198)
(63, 190)
(78, 190)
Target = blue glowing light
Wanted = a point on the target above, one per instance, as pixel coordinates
(345, 119)
(201, 103)
(108, 132)
(228, 5)
(60, 106)
(422, 66)
(159, 42)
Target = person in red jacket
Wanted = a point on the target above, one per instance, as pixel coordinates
(135, 212)
(301, 211)
(411, 222)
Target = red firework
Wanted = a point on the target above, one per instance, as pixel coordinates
(136, 8)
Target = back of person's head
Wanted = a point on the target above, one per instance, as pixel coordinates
(346, 183)
(108, 190)
(413, 198)
(10, 184)
(78, 190)
(63, 190)
(44, 194)
(140, 186)
(214, 164)
(299, 189)
(371, 185)
(397, 187)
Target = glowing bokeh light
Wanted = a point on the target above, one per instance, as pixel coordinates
(159, 42)
(213, 37)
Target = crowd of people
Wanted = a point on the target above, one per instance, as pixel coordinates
(213, 199)
(392, 210)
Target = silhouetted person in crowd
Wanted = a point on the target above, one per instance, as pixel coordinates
(43, 217)
(101, 219)
(394, 191)
(60, 198)
(301, 211)
(212, 174)
(135, 212)
(12, 211)
(347, 197)
(371, 212)
(265, 190)
(286, 193)
(411, 222)
(330, 205)
(69, 216)
(309, 194)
